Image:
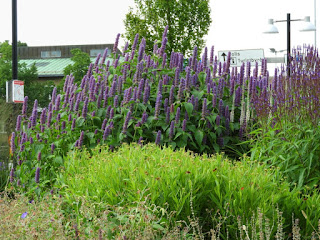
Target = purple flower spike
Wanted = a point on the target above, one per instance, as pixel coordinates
(158, 138)
(25, 106)
(18, 125)
(126, 122)
(52, 148)
(184, 125)
(39, 156)
(115, 46)
(81, 138)
(218, 120)
(158, 105)
(171, 132)
(85, 108)
(171, 96)
(37, 176)
(177, 119)
(12, 175)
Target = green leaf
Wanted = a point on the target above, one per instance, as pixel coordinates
(189, 108)
(199, 137)
(80, 121)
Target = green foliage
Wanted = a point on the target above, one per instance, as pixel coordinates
(293, 147)
(186, 183)
(188, 23)
(80, 66)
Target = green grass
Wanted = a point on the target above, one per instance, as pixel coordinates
(187, 184)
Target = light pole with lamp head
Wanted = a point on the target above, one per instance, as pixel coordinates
(273, 29)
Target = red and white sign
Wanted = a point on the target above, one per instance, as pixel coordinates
(18, 91)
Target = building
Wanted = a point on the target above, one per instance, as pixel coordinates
(52, 60)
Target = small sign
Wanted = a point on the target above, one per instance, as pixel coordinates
(242, 56)
(15, 91)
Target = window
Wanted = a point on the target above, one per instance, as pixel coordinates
(50, 54)
(95, 52)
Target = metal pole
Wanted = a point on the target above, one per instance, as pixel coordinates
(14, 41)
(315, 24)
(288, 43)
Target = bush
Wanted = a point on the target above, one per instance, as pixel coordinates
(203, 107)
(289, 116)
(187, 184)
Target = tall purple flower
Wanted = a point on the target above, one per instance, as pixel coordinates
(177, 119)
(126, 122)
(18, 124)
(181, 88)
(158, 138)
(171, 131)
(85, 108)
(171, 96)
(52, 148)
(168, 115)
(81, 138)
(39, 156)
(25, 106)
(184, 125)
(12, 175)
(144, 117)
(37, 175)
(115, 46)
(134, 45)
(218, 120)
(158, 105)
(73, 125)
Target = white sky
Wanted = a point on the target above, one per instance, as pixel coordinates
(236, 24)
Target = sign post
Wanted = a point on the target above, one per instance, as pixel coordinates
(15, 91)
(242, 56)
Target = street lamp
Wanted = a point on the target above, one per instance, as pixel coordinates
(308, 26)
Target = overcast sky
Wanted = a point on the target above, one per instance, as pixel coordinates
(236, 24)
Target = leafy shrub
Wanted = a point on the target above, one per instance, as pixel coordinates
(203, 107)
(289, 115)
(185, 183)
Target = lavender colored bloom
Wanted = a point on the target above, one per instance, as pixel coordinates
(166, 103)
(104, 56)
(171, 131)
(146, 94)
(115, 46)
(204, 108)
(144, 117)
(37, 175)
(238, 97)
(141, 84)
(194, 57)
(126, 122)
(136, 38)
(73, 125)
(177, 118)
(158, 138)
(211, 55)
(81, 138)
(158, 105)
(196, 104)
(111, 113)
(181, 89)
(141, 49)
(31, 140)
(214, 100)
(39, 156)
(85, 108)
(18, 124)
(164, 59)
(116, 101)
(57, 103)
(25, 106)
(104, 124)
(218, 120)
(63, 125)
(168, 115)
(108, 112)
(171, 96)
(205, 58)
(176, 77)
(184, 125)
(221, 107)
(106, 132)
(52, 148)
(163, 46)
(24, 215)
(12, 175)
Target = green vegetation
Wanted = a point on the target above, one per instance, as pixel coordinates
(188, 22)
(157, 149)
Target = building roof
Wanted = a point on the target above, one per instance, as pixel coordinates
(51, 67)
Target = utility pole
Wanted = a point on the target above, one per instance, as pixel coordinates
(14, 41)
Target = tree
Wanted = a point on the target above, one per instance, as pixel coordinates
(188, 22)
(80, 66)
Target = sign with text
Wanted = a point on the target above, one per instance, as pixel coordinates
(15, 91)
(242, 56)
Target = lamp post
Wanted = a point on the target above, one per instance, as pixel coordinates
(14, 41)
(273, 29)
